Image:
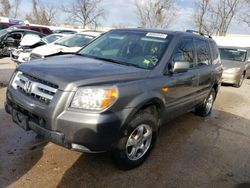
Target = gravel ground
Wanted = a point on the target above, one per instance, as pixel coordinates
(191, 152)
(6, 69)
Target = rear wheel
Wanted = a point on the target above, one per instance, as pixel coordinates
(136, 142)
(205, 108)
(239, 84)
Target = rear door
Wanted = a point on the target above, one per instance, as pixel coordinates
(204, 65)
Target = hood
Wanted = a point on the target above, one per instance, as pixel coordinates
(71, 71)
(29, 40)
(228, 64)
(51, 49)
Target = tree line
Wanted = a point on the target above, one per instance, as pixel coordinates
(210, 16)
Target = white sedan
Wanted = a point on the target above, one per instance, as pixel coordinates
(66, 45)
(29, 42)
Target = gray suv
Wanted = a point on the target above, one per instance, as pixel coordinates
(115, 93)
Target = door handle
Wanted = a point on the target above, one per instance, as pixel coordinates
(193, 78)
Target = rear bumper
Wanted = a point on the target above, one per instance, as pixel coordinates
(76, 130)
(231, 78)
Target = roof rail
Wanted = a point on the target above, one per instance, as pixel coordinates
(198, 33)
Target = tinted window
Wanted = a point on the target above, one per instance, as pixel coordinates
(215, 50)
(35, 29)
(2, 26)
(46, 31)
(203, 53)
(185, 52)
(139, 49)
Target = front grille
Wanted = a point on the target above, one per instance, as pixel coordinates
(35, 88)
(35, 56)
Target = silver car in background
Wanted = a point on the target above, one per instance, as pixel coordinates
(236, 64)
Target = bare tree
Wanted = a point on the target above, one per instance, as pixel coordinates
(15, 8)
(155, 13)
(85, 12)
(43, 14)
(200, 17)
(245, 14)
(5, 8)
(215, 17)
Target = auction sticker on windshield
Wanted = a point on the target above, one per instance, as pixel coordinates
(157, 35)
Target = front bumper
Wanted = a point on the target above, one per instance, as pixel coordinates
(231, 78)
(76, 130)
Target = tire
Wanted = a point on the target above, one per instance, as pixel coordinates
(240, 81)
(136, 141)
(205, 108)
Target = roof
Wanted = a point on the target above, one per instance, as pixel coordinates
(24, 30)
(163, 31)
(235, 47)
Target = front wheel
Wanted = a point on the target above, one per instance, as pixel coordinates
(205, 108)
(240, 81)
(136, 141)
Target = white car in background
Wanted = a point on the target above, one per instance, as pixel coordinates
(66, 45)
(29, 42)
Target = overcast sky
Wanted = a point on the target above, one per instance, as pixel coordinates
(122, 12)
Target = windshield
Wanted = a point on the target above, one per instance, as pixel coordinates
(76, 40)
(233, 54)
(51, 38)
(132, 48)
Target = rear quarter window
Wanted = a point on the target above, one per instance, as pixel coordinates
(215, 52)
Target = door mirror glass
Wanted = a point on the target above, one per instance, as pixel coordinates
(180, 66)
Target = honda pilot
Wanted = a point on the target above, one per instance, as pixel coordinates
(115, 93)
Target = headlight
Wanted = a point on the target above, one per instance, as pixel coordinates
(232, 70)
(94, 98)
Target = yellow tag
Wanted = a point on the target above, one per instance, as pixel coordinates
(146, 61)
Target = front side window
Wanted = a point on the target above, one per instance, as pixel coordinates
(233, 54)
(132, 48)
(77, 40)
(185, 52)
(203, 52)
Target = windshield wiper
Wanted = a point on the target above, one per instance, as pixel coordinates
(110, 60)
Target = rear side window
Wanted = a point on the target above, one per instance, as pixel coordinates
(35, 29)
(203, 52)
(2, 26)
(185, 52)
(46, 31)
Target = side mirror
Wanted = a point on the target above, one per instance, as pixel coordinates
(179, 67)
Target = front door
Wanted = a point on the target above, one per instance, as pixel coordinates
(183, 87)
